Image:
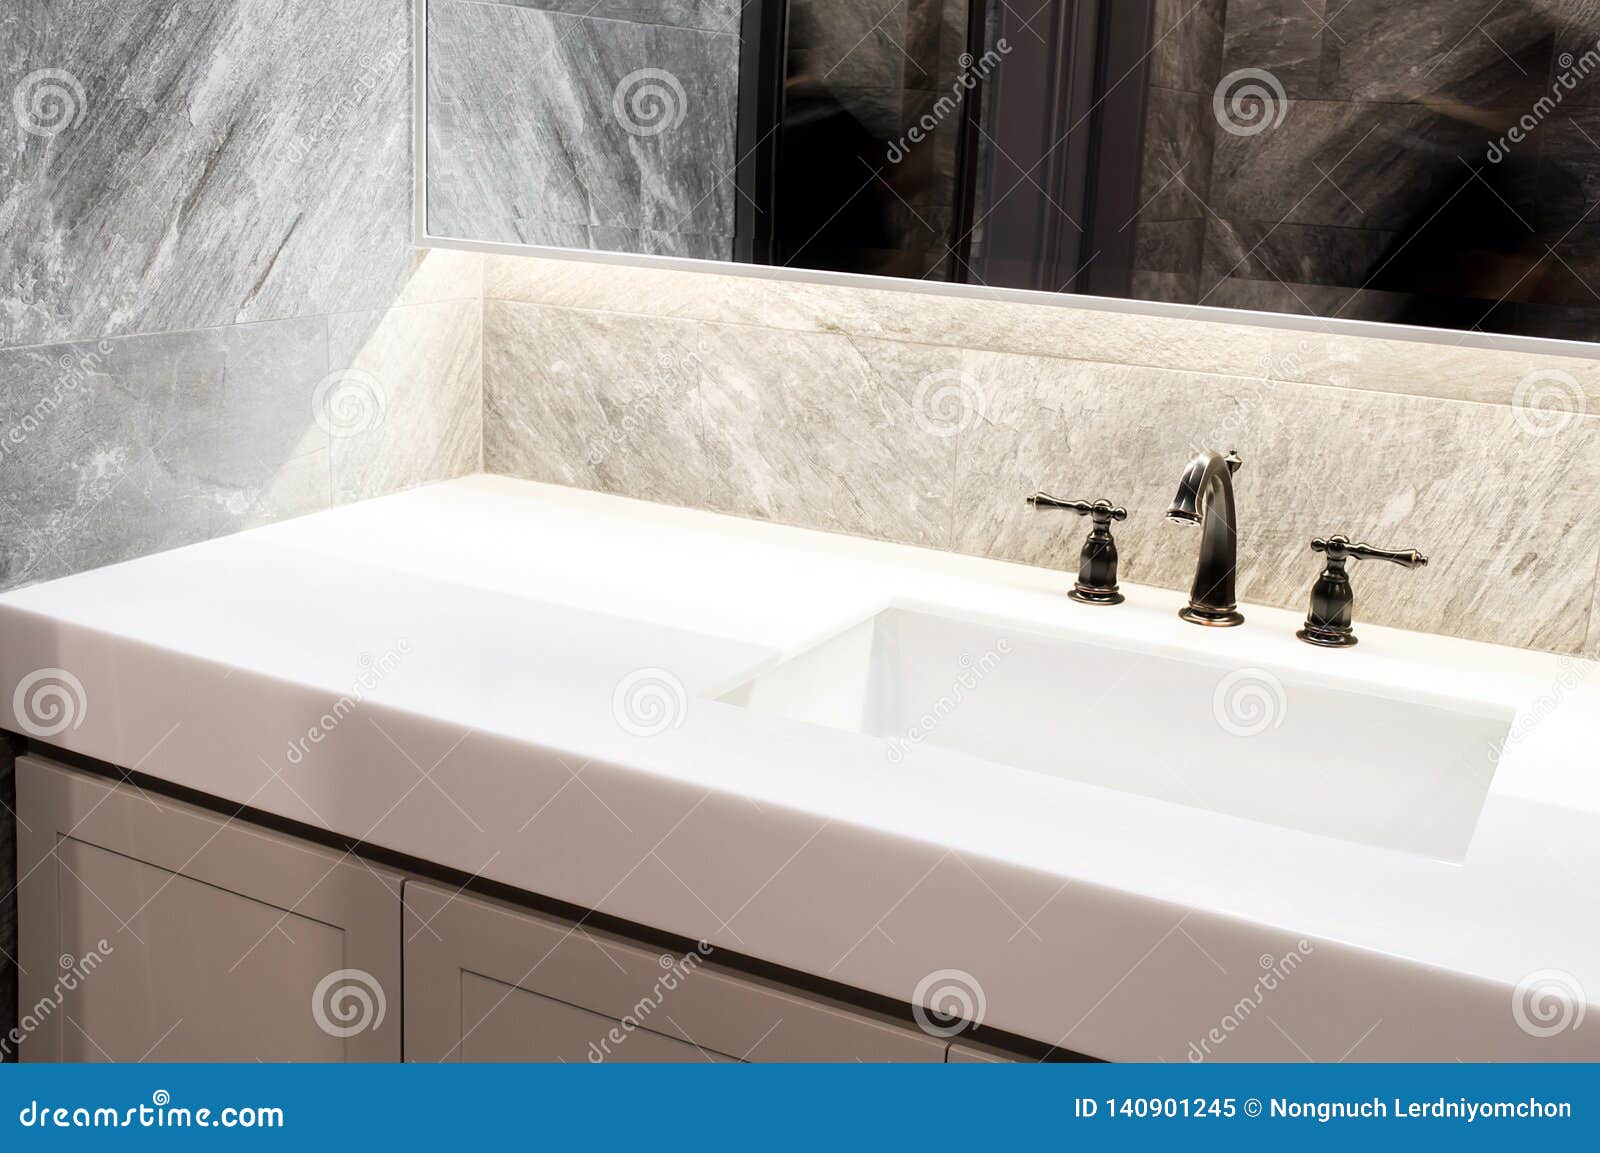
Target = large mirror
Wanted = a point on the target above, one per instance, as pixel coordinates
(1435, 162)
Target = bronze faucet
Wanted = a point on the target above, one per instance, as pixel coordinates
(1205, 497)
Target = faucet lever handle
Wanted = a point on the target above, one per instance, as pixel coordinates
(1097, 566)
(1330, 619)
(1102, 511)
(1340, 548)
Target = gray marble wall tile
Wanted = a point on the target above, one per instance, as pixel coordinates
(883, 314)
(403, 402)
(1175, 176)
(1283, 37)
(610, 403)
(539, 120)
(710, 15)
(1293, 254)
(1316, 461)
(1347, 164)
(809, 429)
(935, 445)
(1591, 647)
(203, 164)
(1173, 246)
(1171, 287)
(835, 433)
(1490, 56)
(133, 445)
(1187, 52)
(1556, 386)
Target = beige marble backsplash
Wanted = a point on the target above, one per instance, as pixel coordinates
(928, 419)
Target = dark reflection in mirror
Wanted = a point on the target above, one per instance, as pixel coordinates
(1430, 163)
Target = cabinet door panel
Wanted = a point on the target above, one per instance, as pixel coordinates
(505, 1023)
(453, 940)
(222, 941)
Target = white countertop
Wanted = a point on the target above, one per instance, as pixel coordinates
(485, 624)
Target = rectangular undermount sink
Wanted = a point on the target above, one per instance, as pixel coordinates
(1269, 745)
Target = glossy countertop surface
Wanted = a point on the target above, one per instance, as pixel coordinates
(517, 680)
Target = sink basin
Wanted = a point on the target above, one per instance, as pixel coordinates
(1316, 754)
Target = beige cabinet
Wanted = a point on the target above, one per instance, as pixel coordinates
(486, 981)
(150, 929)
(153, 930)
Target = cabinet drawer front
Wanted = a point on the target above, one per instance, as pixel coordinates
(219, 936)
(452, 939)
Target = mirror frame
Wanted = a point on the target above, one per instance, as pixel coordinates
(1291, 322)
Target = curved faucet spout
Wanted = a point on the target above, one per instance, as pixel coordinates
(1205, 497)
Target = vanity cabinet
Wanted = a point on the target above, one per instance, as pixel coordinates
(153, 930)
(487, 981)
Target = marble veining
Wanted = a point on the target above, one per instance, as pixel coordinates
(125, 446)
(545, 127)
(233, 160)
(404, 402)
(829, 408)
(882, 314)
(594, 401)
(708, 15)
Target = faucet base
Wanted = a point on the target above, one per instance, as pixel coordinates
(1328, 638)
(1096, 596)
(1213, 618)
